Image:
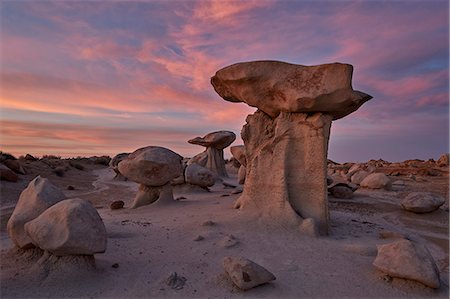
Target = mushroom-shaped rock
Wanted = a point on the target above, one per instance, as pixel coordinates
(200, 176)
(422, 202)
(114, 164)
(275, 86)
(153, 167)
(39, 195)
(215, 142)
(286, 139)
(70, 227)
(246, 274)
(409, 260)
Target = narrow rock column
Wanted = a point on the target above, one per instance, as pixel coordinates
(286, 167)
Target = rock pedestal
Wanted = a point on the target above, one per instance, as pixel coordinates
(286, 171)
(286, 140)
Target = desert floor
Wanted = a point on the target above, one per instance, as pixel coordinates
(147, 244)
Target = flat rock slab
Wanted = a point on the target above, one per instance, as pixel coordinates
(409, 260)
(275, 86)
(246, 274)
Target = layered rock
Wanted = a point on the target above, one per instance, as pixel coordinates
(286, 139)
(153, 167)
(39, 195)
(70, 227)
(214, 142)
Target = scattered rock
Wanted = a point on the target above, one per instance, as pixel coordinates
(198, 238)
(115, 265)
(208, 223)
(246, 274)
(117, 204)
(343, 192)
(175, 281)
(422, 202)
(376, 181)
(39, 195)
(69, 227)
(224, 195)
(180, 198)
(70, 187)
(7, 174)
(409, 260)
(228, 241)
(197, 175)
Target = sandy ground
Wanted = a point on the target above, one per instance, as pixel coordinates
(149, 243)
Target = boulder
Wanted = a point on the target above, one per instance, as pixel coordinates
(246, 274)
(153, 167)
(200, 159)
(7, 174)
(238, 153)
(422, 202)
(275, 86)
(198, 175)
(39, 195)
(215, 142)
(15, 166)
(358, 177)
(342, 192)
(70, 227)
(409, 260)
(376, 181)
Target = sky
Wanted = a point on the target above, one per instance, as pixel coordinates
(83, 78)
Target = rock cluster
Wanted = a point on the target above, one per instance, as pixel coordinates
(43, 218)
(286, 139)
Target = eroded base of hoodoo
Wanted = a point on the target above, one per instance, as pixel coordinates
(148, 194)
(286, 168)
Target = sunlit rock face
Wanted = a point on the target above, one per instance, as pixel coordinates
(286, 139)
(214, 142)
(274, 86)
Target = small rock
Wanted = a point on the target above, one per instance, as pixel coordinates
(229, 185)
(180, 198)
(116, 205)
(208, 223)
(405, 259)
(422, 202)
(228, 241)
(246, 274)
(224, 195)
(175, 281)
(115, 265)
(198, 238)
(70, 187)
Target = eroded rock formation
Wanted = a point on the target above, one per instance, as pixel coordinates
(286, 139)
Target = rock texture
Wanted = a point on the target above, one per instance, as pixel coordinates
(274, 87)
(376, 181)
(215, 142)
(197, 175)
(246, 274)
(39, 195)
(70, 227)
(114, 164)
(409, 260)
(153, 167)
(422, 202)
(286, 139)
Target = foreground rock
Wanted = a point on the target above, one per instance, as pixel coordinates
(286, 139)
(409, 260)
(70, 227)
(246, 274)
(422, 202)
(153, 167)
(39, 195)
(376, 181)
(215, 142)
